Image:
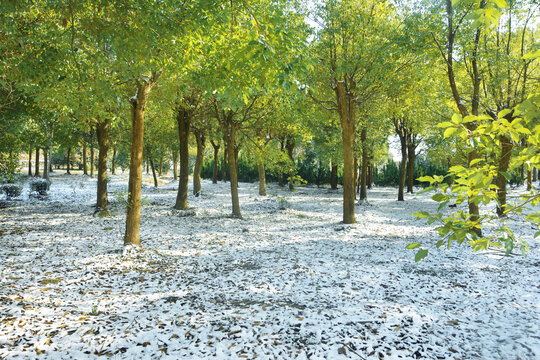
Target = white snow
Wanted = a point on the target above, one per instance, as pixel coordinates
(290, 283)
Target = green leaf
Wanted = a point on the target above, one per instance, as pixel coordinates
(449, 132)
(412, 246)
(439, 197)
(506, 175)
(426, 179)
(421, 254)
(536, 234)
(421, 214)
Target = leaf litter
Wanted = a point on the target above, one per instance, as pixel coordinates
(285, 283)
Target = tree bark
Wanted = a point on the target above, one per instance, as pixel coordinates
(160, 165)
(345, 101)
(113, 161)
(138, 108)
(229, 128)
(402, 169)
(355, 177)
(45, 164)
(153, 169)
(175, 164)
(411, 153)
(92, 161)
(85, 162)
(365, 163)
(216, 159)
(201, 145)
(68, 170)
(224, 164)
(281, 180)
(529, 179)
(30, 162)
(36, 173)
(333, 177)
(262, 176)
(370, 175)
(183, 118)
(290, 150)
(102, 132)
(535, 175)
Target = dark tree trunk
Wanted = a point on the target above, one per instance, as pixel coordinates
(290, 150)
(153, 169)
(411, 153)
(85, 162)
(333, 177)
(262, 176)
(370, 175)
(102, 131)
(224, 164)
(216, 160)
(175, 165)
(365, 163)
(36, 173)
(138, 108)
(229, 128)
(147, 166)
(183, 118)
(45, 164)
(30, 162)
(534, 175)
(355, 177)
(113, 161)
(68, 166)
(201, 145)
(92, 161)
(281, 180)
(529, 179)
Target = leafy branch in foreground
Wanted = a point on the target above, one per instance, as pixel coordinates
(476, 184)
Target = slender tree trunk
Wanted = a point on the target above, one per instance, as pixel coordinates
(147, 167)
(504, 162)
(281, 180)
(333, 177)
(290, 150)
(411, 153)
(175, 165)
(45, 164)
(236, 152)
(365, 163)
(529, 179)
(201, 145)
(403, 168)
(153, 168)
(102, 132)
(216, 159)
(138, 108)
(183, 118)
(355, 177)
(229, 128)
(262, 177)
(36, 173)
(224, 164)
(534, 175)
(345, 101)
(370, 175)
(113, 161)
(30, 162)
(85, 162)
(92, 162)
(68, 170)
(161, 166)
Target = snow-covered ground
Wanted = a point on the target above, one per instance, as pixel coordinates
(289, 281)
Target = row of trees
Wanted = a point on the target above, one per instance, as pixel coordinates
(327, 80)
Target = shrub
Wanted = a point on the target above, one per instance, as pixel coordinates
(11, 190)
(40, 185)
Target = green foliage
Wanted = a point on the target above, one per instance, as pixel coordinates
(9, 167)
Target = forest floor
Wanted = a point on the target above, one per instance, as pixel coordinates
(289, 281)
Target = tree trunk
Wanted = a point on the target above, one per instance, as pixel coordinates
(84, 161)
(113, 161)
(30, 162)
(403, 168)
(224, 164)
(36, 173)
(102, 132)
(138, 107)
(216, 159)
(45, 164)
(236, 152)
(92, 161)
(175, 164)
(281, 181)
(161, 166)
(68, 170)
(529, 179)
(365, 163)
(355, 177)
(147, 167)
(370, 175)
(534, 175)
(262, 175)
(411, 153)
(183, 118)
(345, 101)
(504, 162)
(229, 128)
(153, 168)
(333, 177)
(201, 145)
(290, 149)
